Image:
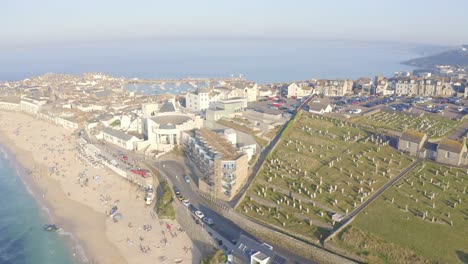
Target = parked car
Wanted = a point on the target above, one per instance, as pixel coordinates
(192, 208)
(355, 111)
(208, 220)
(176, 190)
(199, 214)
(186, 202)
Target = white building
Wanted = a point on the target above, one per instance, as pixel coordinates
(320, 108)
(10, 104)
(164, 129)
(119, 138)
(31, 106)
(198, 100)
(334, 87)
(299, 91)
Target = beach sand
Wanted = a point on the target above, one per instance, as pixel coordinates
(83, 210)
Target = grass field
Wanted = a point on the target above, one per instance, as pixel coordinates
(321, 166)
(415, 220)
(433, 126)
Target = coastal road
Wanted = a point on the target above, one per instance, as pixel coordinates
(174, 168)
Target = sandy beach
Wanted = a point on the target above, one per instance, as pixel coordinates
(48, 153)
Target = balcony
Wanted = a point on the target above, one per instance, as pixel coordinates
(229, 180)
(227, 187)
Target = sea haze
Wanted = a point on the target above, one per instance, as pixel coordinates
(259, 60)
(22, 240)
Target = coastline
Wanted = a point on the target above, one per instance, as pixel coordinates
(24, 162)
(36, 146)
(75, 246)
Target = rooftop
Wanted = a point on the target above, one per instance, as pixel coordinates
(167, 107)
(218, 144)
(170, 119)
(117, 133)
(450, 145)
(412, 136)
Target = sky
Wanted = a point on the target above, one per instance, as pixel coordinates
(44, 22)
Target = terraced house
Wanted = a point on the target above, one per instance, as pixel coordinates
(334, 87)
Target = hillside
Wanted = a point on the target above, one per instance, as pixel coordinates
(455, 57)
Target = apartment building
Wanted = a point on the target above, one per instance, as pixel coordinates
(223, 166)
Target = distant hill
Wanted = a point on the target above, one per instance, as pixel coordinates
(455, 57)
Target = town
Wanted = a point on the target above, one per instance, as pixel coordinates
(306, 171)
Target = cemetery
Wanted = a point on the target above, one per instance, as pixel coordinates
(423, 217)
(433, 126)
(320, 171)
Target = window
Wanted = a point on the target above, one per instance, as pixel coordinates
(408, 144)
(447, 154)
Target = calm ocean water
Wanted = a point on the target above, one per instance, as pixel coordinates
(258, 60)
(22, 239)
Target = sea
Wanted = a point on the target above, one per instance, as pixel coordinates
(22, 238)
(260, 60)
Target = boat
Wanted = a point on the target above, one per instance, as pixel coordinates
(51, 228)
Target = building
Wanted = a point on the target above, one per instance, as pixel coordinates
(163, 129)
(198, 100)
(452, 152)
(446, 151)
(119, 138)
(406, 86)
(31, 106)
(299, 91)
(226, 108)
(223, 167)
(10, 104)
(412, 142)
(320, 108)
(383, 86)
(334, 87)
(250, 251)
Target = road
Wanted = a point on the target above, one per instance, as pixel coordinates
(174, 169)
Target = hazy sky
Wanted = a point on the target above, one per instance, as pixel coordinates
(29, 22)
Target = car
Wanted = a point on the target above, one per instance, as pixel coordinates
(460, 109)
(180, 197)
(186, 202)
(192, 208)
(208, 220)
(199, 214)
(176, 190)
(187, 178)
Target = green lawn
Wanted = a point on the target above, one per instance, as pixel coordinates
(387, 229)
(433, 126)
(164, 207)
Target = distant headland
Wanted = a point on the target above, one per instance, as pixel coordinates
(456, 58)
